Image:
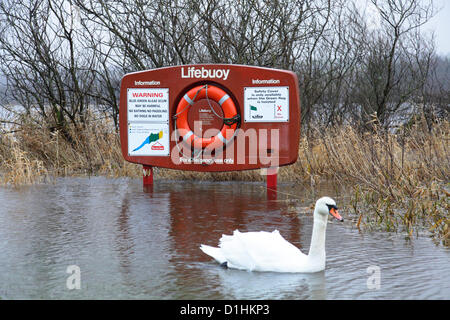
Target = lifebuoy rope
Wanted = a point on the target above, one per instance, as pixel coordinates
(190, 103)
(226, 121)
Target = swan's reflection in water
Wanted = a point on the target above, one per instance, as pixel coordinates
(269, 285)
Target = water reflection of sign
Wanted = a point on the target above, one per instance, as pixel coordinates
(266, 104)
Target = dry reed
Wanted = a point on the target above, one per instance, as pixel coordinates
(34, 152)
(400, 180)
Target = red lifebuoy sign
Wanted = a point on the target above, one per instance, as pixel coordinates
(211, 117)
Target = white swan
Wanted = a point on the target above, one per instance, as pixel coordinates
(269, 251)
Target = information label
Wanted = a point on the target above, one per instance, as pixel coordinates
(148, 121)
(148, 139)
(148, 104)
(266, 104)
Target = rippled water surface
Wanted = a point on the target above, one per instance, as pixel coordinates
(131, 243)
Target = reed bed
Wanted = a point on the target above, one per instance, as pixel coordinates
(399, 180)
(34, 153)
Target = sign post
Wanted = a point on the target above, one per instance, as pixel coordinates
(147, 175)
(271, 183)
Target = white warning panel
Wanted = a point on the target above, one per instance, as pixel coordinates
(266, 104)
(148, 139)
(148, 104)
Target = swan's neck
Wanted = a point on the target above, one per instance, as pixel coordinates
(317, 248)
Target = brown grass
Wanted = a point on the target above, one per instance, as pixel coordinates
(400, 180)
(34, 153)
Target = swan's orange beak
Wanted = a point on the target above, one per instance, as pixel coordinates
(334, 212)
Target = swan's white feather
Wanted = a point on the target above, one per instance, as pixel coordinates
(257, 251)
(269, 251)
(216, 253)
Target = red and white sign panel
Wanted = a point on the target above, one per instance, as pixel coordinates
(210, 117)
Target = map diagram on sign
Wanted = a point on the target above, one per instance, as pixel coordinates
(151, 138)
(148, 139)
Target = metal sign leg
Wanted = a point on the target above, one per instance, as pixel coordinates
(271, 180)
(147, 175)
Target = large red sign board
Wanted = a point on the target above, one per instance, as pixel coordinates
(211, 117)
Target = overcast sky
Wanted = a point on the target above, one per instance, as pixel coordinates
(440, 23)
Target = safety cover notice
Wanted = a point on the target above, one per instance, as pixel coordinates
(148, 121)
(266, 104)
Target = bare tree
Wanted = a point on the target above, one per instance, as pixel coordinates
(65, 58)
(145, 34)
(47, 69)
(394, 67)
(327, 66)
(435, 94)
(279, 34)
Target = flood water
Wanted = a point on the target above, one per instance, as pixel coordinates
(131, 243)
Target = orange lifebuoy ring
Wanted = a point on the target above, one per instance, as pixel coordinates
(216, 94)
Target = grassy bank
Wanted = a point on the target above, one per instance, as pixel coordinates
(400, 180)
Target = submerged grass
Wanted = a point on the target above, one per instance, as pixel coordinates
(400, 180)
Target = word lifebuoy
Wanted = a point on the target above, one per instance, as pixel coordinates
(230, 119)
